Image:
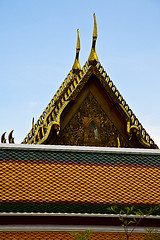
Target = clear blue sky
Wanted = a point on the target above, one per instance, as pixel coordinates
(37, 50)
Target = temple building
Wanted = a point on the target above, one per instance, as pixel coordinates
(88, 110)
(85, 161)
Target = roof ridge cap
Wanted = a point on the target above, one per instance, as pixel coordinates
(50, 105)
(145, 138)
(70, 83)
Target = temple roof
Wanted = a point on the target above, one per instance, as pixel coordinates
(68, 91)
(71, 179)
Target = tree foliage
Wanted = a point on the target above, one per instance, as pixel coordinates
(131, 217)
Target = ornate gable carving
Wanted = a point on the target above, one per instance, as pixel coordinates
(90, 126)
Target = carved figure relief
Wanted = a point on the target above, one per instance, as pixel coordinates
(90, 126)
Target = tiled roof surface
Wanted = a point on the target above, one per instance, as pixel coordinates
(67, 236)
(76, 182)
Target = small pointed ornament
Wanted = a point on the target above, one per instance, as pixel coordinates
(10, 137)
(3, 139)
(93, 59)
(76, 66)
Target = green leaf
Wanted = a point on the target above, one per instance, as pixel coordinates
(121, 212)
(128, 210)
(125, 222)
(121, 218)
(130, 222)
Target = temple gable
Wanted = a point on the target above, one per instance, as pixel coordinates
(89, 110)
(91, 126)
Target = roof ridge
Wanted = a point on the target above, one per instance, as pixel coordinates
(54, 100)
(57, 102)
(134, 122)
(51, 115)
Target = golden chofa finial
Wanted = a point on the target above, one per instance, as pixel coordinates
(76, 66)
(93, 59)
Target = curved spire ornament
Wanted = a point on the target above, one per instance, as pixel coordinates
(76, 66)
(93, 59)
(3, 139)
(10, 137)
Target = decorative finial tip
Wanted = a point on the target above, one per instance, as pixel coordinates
(78, 40)
(93, 59)
(76, 66)
(95, 27)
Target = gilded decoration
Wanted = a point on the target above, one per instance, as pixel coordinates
(90, 126)
(70, 88)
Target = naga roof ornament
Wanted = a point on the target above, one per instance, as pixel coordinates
(76, 66)
(93, 59)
